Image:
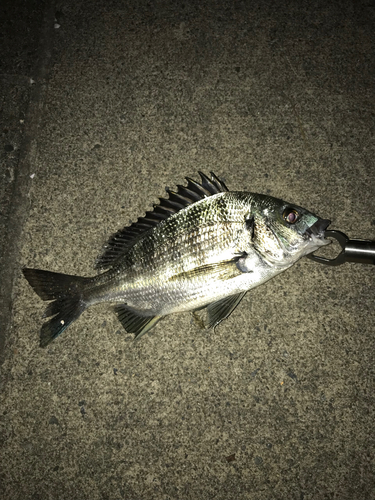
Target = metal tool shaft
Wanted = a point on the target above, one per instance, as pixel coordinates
(360, 251)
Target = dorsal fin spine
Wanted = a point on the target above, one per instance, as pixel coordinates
(120, 243)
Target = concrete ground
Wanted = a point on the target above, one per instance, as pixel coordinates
(274, 97)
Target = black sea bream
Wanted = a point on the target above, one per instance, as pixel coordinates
(203, 247)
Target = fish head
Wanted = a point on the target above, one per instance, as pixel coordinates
(283, 233)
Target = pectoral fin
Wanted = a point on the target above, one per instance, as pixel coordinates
(217, 271)
(133, 322)
(221, 309)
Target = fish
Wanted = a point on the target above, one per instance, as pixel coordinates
(199, 250)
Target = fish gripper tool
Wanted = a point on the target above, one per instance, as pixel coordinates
(360, 251)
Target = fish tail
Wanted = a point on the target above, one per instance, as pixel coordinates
(66, 293)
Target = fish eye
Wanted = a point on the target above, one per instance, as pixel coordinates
(290, 215)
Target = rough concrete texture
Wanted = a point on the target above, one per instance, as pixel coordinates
(23, 55)
(278, 402)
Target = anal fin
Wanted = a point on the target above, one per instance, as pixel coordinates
(134, 322)
(198, 320)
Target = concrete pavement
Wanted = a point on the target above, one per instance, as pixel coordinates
(278, 401)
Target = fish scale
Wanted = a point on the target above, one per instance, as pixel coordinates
(195, 247)
(203, 247)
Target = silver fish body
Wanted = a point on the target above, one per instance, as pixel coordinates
(204, 247)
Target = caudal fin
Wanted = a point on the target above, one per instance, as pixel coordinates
(66, 293)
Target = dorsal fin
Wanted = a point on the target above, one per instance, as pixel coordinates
(120, 242)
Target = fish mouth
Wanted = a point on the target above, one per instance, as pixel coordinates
(317, 231)
(318, 228)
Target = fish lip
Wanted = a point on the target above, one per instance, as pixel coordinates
(317, 230)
